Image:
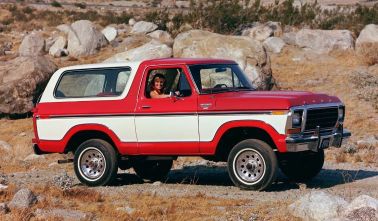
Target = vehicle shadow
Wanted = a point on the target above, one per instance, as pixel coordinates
(218, 176)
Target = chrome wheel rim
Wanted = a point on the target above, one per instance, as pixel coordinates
(92, 164)
(249, 166)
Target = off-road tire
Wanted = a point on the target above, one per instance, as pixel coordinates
(301, 166)
(252, 165)
(101, 157)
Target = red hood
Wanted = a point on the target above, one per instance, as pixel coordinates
(269, 100)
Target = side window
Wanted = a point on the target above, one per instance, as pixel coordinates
(92, 83)
(216, 77)
(163, 82)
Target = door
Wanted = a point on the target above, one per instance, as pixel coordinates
(167, 124)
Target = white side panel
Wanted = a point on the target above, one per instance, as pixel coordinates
(55, 129)
(209, 124)
(173, 128)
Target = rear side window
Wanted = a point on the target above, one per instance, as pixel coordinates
(92, 83)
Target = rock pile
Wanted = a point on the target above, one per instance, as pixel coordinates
(321, 206)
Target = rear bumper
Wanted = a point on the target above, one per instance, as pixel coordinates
(314, 143)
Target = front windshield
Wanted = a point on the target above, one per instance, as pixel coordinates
(215, 78)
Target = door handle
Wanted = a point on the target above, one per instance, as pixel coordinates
(146, 106)
(205, 106)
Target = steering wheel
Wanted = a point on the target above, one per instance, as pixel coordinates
(221, 86)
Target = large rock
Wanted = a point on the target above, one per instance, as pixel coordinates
(261, 32)
(318, 205)
(247, 52)
(23, 199)
(367, 44)
(32, 45)
(84, 39)
(143, 27)
(58, 49)
(62, 214)
(290, 38)
(362, 208)
(274, 44)
(151, 50)
(162, 36)
(22, 80)
(324, 41)
(110, 33)
(135, 41)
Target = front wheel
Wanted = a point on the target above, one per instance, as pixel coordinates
(95, 163)
(301, 166)
(252, 165)
(153, 170)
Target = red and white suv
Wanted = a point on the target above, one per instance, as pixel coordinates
(103, 114)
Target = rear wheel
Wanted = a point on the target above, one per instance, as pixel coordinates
(95, 163)
(153, 170)
(252, 165)
(301, 166)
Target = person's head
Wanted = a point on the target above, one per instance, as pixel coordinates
(158, 82)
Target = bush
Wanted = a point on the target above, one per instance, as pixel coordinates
(81, 5)
(56, 4)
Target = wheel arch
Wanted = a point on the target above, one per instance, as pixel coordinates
(231, 133)
(80, 133)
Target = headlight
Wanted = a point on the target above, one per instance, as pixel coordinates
(297, 119)
(341, 113)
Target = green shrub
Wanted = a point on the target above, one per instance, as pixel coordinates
(56, 4)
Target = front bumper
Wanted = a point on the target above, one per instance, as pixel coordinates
(315, 143)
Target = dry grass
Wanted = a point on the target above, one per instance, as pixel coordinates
(368, 53)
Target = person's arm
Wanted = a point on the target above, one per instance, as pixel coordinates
(154, 94)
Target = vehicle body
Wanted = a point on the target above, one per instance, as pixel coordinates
(104, 115)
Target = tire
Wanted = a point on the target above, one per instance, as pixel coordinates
(301, 166)
(252, 165)
(153, 170)
(95, 163)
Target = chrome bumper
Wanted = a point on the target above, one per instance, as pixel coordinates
(314, 143)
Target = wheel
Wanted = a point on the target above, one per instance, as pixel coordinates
(252, 165)
(153, 170)
(95, 163)
(301, 166)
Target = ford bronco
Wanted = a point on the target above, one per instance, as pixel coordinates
(104, 115)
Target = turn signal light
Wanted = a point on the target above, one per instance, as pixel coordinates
(293, 131)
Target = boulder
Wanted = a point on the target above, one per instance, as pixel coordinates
(162, 36)
(367, 44)
(5, 146)
(276, 27)
(132, 22)
(151, 50)
(63, 214)
(58, 48)
(135, 41)
(32, 45)
(289, 38)
(143, 27)
(23, 199)
(324, 41)
(247, 52)
(318, 205)
(362, 208)
(259, 33)
(84, 39)
(64, 28)
(21, 81)
(110, 33)
(274, 44)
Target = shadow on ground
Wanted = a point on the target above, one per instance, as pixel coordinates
(218, 176)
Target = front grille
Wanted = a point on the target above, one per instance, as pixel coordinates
(325, 118)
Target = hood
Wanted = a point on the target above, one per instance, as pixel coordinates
(269, 100)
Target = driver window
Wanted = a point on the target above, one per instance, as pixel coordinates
(163, 83)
